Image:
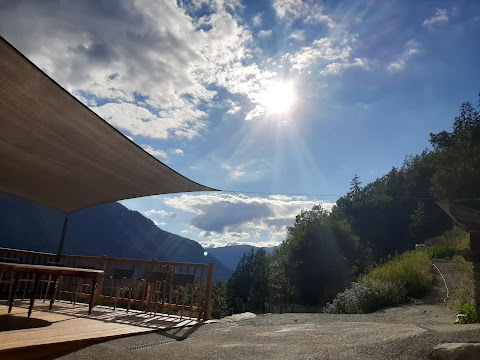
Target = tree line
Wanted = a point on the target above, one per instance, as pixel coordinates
(324, 251)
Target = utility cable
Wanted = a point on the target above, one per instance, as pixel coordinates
(315, 195)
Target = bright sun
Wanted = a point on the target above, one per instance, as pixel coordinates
(279, 97)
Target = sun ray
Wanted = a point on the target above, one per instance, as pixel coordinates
(278, 97)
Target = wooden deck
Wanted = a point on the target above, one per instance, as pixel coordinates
(66, 328)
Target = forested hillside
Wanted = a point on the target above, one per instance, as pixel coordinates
(324, 251)
(231, 255)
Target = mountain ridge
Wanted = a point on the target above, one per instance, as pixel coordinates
(108, 229)
(231, 255)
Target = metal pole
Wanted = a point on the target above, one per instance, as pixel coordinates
(62, 240)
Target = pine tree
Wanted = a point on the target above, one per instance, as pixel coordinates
(355, 186)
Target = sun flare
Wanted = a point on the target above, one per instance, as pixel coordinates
(279, 97)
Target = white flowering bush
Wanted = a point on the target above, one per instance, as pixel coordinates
(366, 297)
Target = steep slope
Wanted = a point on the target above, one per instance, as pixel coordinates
(231, 255)
(109, 229)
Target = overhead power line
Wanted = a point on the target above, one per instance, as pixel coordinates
(316, 195)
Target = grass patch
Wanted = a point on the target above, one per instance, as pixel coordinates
(462, 292)
(441, 251)
(411, 269)
(455, 238)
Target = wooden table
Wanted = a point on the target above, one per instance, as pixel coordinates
(55, 272)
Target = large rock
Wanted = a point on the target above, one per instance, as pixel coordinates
(239, 317)
(456, 351)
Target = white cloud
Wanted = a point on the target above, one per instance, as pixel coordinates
(233, 107)
(151, 64)
(177, 151)
(298, 35)
(337, 68)
(411, 49)
(221, 242)
(154, 68)
(152, 151)
(245, 172)
(160, 213)
(309, 11)
(288, 8)
(333, 54)
(440, 17)
(159, 223)
(264, 34)
(257, 20)
(223, 218)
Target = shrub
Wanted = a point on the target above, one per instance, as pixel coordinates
(468, 312)
(411, 269)
(441, 251)
(463, 289)
(456, 238)
(366, 297)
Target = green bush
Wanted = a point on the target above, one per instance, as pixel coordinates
(366, 297)
(441, 251)
(468, 312)
(411, 269)
(456, 238)
(462, 290)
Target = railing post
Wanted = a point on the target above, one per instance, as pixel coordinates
(207, 310)
(98, 291)
(149, 287)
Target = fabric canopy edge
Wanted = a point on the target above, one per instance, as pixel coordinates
(201, 187)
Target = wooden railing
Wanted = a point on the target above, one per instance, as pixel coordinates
(199, 295)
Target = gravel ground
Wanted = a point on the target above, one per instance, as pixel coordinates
(406, 332)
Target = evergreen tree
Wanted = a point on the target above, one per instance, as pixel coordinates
(457, 157)
(355, 186)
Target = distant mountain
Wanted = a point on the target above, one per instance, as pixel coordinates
(110, 229)
(231, 255)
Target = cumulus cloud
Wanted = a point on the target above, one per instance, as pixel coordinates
(440, 17)
(146, 67)
(222, 242)
(257, 20)
(160, 213)
(155, 152)
(298, 35)
(309, 11)
(154, 68)
(159, 223)
(411, 49)
(245, 172)
(334, 54)
(222, 214)
(177, 151)
(264, 34)
(233, 107)
(222, 218)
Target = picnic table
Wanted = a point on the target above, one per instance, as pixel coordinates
(55, 272)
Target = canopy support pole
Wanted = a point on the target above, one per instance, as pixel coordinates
(62, 240)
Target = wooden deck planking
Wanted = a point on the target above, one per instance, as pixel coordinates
(71, 324)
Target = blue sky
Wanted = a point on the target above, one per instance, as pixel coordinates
(264, 98)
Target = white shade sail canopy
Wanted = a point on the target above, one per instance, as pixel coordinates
(56, 151)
